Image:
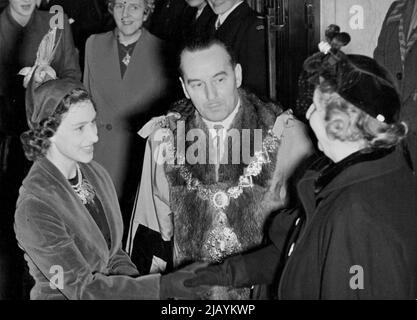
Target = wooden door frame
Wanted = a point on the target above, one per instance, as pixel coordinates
(284, 28)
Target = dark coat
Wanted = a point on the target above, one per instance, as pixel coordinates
(244, 32)
(54, 228)
(388, 54)
(192, 27)
(361, 213)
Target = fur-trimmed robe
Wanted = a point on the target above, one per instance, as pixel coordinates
(167, 207)
(194, 217)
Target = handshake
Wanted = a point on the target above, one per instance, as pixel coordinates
(194, 282)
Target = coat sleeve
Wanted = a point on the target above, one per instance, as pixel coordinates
(46, 241)
(362, 257)
(69, 66)
(272, 256)
(120, 264)
(245, 270)
(379, 52)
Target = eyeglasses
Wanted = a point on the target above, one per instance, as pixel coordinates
(131, 7)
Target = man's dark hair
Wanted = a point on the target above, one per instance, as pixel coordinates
(203, 43)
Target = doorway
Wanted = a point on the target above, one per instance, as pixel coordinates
(293, 32)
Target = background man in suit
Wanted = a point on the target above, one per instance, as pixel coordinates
(397, 51)
(197, 19)
(125, 75)
(241, 29)
(166, 18)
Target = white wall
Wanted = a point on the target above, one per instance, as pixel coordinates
(362, 19)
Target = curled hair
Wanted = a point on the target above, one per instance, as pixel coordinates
(36, 141)
(345, 122)
(148, 6)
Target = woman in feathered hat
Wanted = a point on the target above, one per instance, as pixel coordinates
(68, 220)
(354, 235)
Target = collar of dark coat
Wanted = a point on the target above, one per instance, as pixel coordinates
(324, 177)
(329, 172)
(253, 114)
(44, 168)
(397, 11)
(47, 183)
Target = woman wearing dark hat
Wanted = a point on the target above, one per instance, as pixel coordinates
(68, 220)
(355, 233)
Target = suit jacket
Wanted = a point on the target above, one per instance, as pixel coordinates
(243, 31)
(388, 53)
(56, 232)
(192, 27)
(124, 104)
(166, 18)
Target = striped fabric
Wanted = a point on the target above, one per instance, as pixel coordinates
(395, 16)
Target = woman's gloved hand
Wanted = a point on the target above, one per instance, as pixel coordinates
(213, 275)
(231, 273)
(172, 284)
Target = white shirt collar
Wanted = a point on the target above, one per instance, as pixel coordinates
(226, 123)
(222, 17)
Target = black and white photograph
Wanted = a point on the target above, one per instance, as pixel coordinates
(208, 154)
